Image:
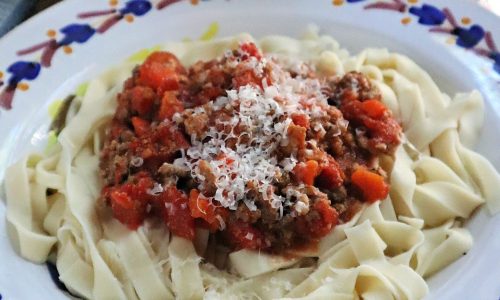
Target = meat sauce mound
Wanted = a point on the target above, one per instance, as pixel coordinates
(322, 165)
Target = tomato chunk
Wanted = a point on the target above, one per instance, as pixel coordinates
(169, 106)
(244, 236)
(301, 120)
(161, 72)
(331, 176)
(251, 49)
(383, 130)
(141, 126)
(126, 210)
(142, 100)
(306, 172)
(319, 222)
(372, 185)
(176, 213)
(158, 77)
(202, 208)
(129, 201)
(166, 59)
(246, 77)
(386, 131)
(373, 108)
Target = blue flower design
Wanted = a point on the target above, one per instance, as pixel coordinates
(23, 70)
(469, 38)
(428, 14)
(495, 56)
(136, 7)
(79, 33)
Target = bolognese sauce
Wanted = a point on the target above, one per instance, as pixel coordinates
(265, 153)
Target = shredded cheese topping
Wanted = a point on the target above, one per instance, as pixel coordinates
(239, 151)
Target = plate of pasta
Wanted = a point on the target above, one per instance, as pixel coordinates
(176, 149)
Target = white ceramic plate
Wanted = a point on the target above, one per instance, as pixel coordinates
(461, 58)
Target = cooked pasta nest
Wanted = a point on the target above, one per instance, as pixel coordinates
(384, 251)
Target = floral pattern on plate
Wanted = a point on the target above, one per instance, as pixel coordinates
(442, 21)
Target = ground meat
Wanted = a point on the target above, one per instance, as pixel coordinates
(209, 182)
(355, 85)
(282, 180)
(347, 208)
(360, 103)
(296, 140)
(196, 124)
(325, 153)
(244, 214)
(170, 170)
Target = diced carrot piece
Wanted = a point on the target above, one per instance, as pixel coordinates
(169, 106)
(306, 172)
(301, 120)
(373, 108)
(372, 185)
(141, 126)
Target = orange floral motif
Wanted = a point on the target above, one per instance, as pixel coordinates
(23, 86)
(129, 18)
(51, 33)
(67, 49)
(406, 20)
(466, 20)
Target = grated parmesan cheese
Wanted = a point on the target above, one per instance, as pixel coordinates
(136, 161)
(221, 222)
(156, 190)
(169, 206)
(259, 118)
(301, 208)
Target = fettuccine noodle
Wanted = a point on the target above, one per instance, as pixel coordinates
(384, 252)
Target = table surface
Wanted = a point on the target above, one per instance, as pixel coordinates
(13, 12)
(43, 4)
